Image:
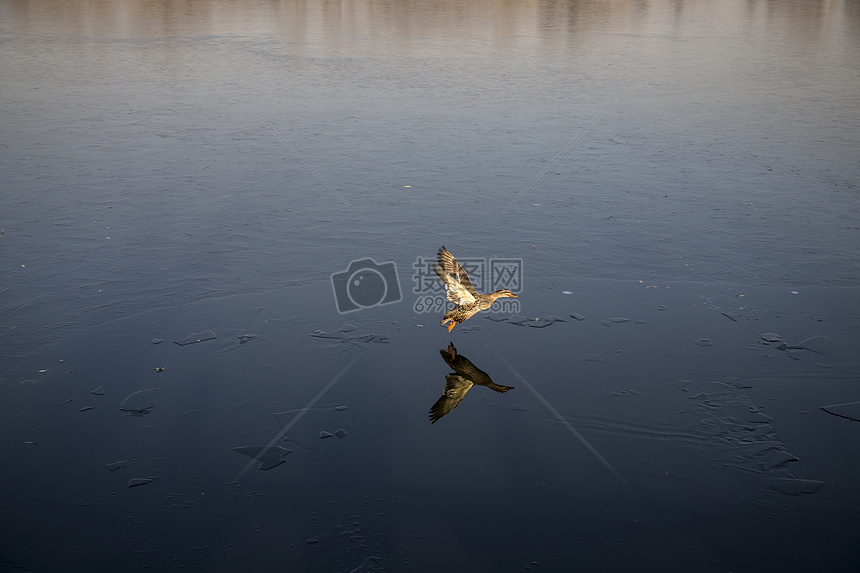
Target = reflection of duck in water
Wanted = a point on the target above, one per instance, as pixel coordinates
(458, 383)
(466, 299)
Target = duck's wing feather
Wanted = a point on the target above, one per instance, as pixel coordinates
(457, 292)
(451, 266)
(456, 388)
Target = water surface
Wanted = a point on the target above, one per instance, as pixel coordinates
(175, 172)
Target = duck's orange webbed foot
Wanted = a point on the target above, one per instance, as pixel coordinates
(451, 326)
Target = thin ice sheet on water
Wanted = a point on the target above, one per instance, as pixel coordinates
(351, 334)
(269, 457)
(140, 402)
(849, 410)
(520, 320)
(742, 433)
(196, 337)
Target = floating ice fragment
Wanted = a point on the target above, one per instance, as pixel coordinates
(703, 342)
(86, 408)
(100, 391)
(779, 457)
(594, 358)
(324, 435)
(623, 393)
(112, 467)
(268, 457)
(518, 319)
(157, 340)
(793, 486)
(195, 337)
(770, 337)
(577, 316)
(818, 344)
(135, 482)
(755, 416)
(340, 408)
(348, 333)
(756, 448)
(341, 433)
(566, 292)
(140, 402)
(324, 334)
(681, 385)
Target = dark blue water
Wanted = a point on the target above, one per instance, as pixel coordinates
(183, 172)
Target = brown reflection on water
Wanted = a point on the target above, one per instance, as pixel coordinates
(412, 18)
(639, 36)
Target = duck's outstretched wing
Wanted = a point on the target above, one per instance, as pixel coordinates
(451, 266)
(456, 279)
(456, 388)
(457, 292)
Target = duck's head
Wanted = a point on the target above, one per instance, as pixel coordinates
(504, 292)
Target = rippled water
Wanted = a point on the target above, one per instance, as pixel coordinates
(181, 180)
